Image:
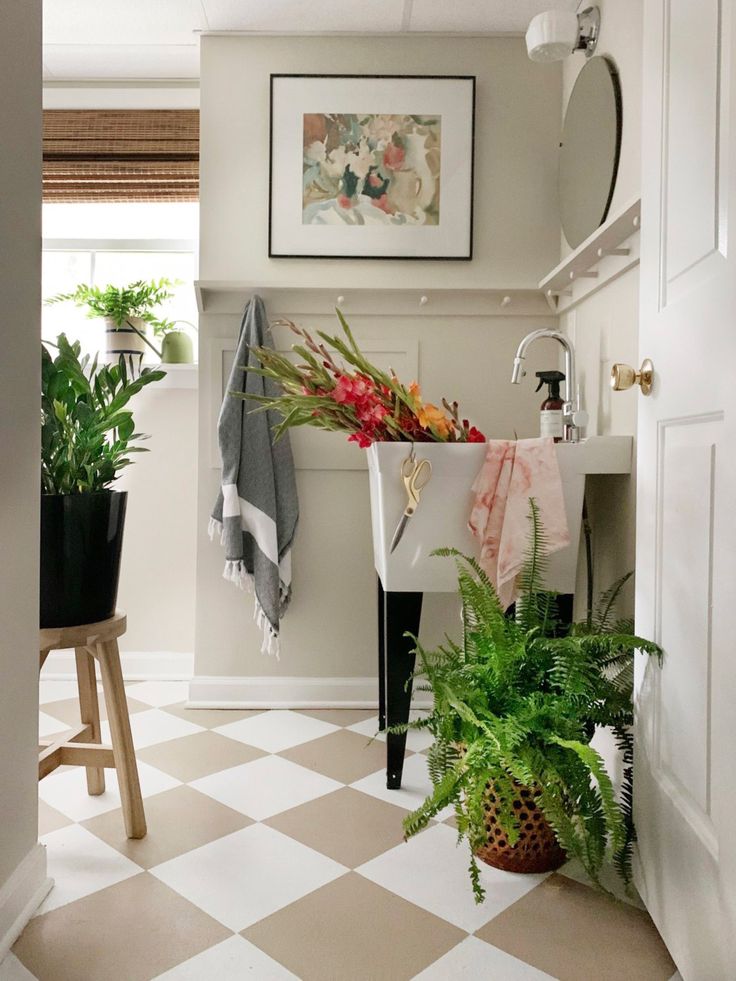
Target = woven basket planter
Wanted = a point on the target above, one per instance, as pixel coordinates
(537, 849)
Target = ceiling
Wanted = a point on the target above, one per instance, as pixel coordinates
(159, 39)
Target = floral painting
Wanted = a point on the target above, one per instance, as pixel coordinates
(371, 169)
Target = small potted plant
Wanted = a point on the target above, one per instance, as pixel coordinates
(516, 705)
(87, 434)
(126, 312)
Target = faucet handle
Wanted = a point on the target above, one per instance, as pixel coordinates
(580, 418)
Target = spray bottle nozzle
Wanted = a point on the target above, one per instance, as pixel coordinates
(551, 378)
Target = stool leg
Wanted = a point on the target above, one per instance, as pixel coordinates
(89, 709)
(122, 740)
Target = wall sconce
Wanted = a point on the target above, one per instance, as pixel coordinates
(555, 34)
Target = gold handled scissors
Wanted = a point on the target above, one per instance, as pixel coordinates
(415, 474)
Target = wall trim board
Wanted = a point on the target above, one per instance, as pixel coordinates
(229, 297)
(137, 666)
(221, 691)
(21, 895)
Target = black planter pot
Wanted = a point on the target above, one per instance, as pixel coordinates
(81, 547)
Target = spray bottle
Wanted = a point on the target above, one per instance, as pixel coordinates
(550, 413)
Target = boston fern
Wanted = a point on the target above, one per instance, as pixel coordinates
(516, 705)
(86, 426)
(138, 299)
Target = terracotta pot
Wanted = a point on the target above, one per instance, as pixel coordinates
(537, 849)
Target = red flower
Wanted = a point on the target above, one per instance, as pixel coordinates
(475, 435)
(393, 157)
(361, 438)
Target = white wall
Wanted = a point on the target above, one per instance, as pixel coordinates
(158, 571)
(605, 327)
(330, 630)
(22, 865)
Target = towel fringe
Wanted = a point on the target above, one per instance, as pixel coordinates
(216, 527)
(271, 643)
(236, 572)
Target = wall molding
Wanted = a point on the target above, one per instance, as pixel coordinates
(137, 666)
(220, 691)
(21, 895)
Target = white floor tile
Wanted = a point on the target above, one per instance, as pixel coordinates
(416, 739)
(474, 959)
(154, 726)
(276, 730)
(415, 786)
(67, 790)
(54, 690)
(265, 787)
(232, 960)
(431, 870)
(246, 876)
(11, 969)
(158, 693)
(80, 864)
(49, 726)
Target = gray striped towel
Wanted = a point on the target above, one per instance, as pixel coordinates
(257, 509)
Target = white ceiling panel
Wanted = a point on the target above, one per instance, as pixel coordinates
(304, 17)
(125, 61)
(121, 21)
(483, 16)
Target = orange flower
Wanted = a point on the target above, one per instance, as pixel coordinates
(415, 391)
(430, 417)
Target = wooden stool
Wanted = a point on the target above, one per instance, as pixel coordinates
(97, 642)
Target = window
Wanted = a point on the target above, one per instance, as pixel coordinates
(117, 243)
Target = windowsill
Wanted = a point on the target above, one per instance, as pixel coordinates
(177, 375)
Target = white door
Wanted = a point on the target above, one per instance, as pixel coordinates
(685, 761)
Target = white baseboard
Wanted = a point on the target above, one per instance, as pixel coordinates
(21, 896)
(273, 692)
(137, 666)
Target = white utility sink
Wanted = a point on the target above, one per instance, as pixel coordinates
(442, 516)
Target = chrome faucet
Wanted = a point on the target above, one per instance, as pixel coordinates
(574, 419)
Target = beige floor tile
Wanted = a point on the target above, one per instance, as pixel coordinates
(348, 826)
(340, 717)
(198, 755)
(131, 931)
(49, 819)
(353, 929)
(211, 718)
(343, 755)
(575, 933)
(67, 710)
(178, 820)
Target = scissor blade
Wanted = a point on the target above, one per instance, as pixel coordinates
(400, 527)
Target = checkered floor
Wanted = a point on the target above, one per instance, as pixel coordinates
(275, 851)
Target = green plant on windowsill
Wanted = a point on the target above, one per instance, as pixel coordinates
(120, 303)
(87, 428)
(516, 705)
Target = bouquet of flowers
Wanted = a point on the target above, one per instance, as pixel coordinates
(354, 397)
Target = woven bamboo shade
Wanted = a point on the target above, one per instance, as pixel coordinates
(120, 155)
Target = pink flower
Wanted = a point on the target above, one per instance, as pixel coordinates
(344, 201)
(393, 157)
(361, 438)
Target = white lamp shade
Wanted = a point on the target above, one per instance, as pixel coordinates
(552, 36)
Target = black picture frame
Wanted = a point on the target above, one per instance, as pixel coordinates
(274, 254)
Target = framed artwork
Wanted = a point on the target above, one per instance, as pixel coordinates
(371, 166)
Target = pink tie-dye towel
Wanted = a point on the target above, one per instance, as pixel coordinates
(514, 471)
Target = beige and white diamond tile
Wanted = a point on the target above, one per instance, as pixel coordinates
(474, 959)
(49, 725)
(415, 786)
(342, 755)
(265, 787)
(54, 689)
(191, 757)
(154, 726)
(66, 790)
(431, 870)
(208, 717)
(11, 969)
(277, 730)
(232, 960)
(245, 876)
(158, 693)
(67, 709)
(416, 739)
(80, 864)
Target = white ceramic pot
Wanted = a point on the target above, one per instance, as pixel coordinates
(444, 508)
(126, 341)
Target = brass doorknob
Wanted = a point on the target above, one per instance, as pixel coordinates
(623, 376)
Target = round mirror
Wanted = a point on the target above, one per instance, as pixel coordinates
(589, 151)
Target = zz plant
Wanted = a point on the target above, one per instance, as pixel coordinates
(517, 704)
(87, 429)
